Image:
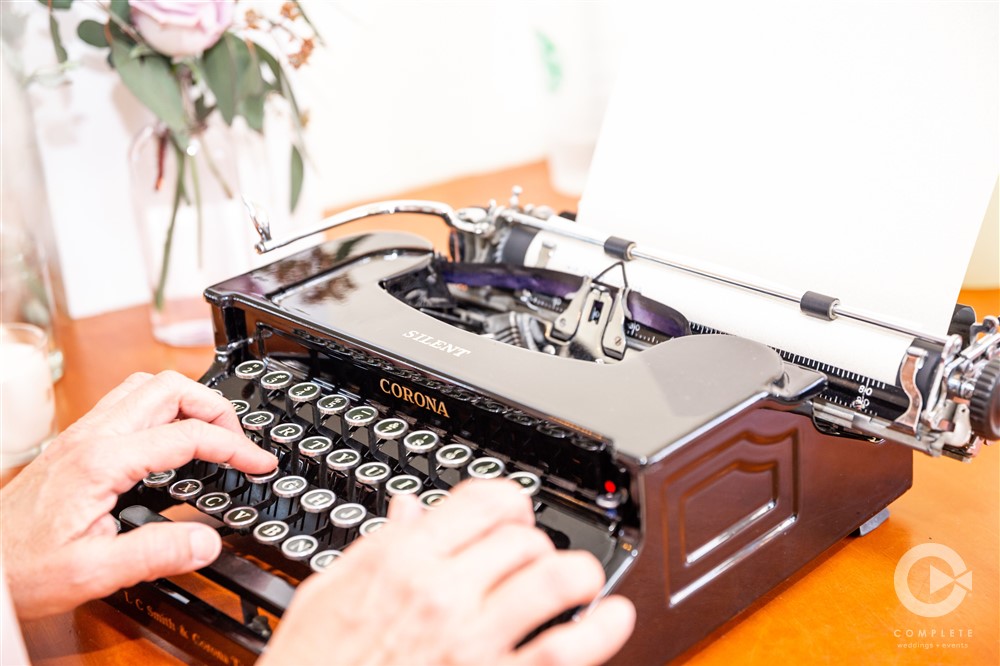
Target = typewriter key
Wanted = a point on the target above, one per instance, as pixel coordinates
(321, 560)
(453, 455)
(373, 473)
(271, 531)
(290, 486)
(486, 468)
(257, 421)
(250, 369)
(241, 407)
(287, 433)
(348, 515)
(299, 547)
(390, 428)
(530, 483)
(186, 489)
(159, 479)
(304, 392)
(315, 446)
(317, 499)
(372, 525)
(331, 405)
(275, 381)
(421, 441)
(214, 502)
(343, 460)
(404, 484)
(266, 477)
(241, 517)
(358, 417)
(431, 498)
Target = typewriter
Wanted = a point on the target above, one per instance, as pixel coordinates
(702, 469)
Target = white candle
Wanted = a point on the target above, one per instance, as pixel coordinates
(27, 403)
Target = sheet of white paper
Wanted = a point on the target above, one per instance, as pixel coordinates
(846, 148)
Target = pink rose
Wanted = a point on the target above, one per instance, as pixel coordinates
(182, 27)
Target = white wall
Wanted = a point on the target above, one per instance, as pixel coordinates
(404, 93)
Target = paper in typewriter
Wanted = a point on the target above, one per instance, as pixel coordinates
(844, 148)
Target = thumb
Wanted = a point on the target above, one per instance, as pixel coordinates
(149, 552)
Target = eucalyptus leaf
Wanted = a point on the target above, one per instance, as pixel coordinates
(230, 74)
(283, 88)
(121, 9)
(56, 4)
(92, 33)
(252, 109)
(140, 50)
(297, 173)
(152, 81)
(57, 44)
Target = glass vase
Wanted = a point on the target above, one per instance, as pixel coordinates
(193, 226)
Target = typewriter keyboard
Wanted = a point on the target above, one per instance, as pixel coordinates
(342, 457)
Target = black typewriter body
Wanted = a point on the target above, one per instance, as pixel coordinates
(686, 469)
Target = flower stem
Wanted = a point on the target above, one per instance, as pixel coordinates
(196, 188)
(213, 167)
(168, 241)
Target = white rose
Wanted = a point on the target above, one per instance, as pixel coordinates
(182, 27)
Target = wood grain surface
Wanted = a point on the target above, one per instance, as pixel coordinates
(842, 610)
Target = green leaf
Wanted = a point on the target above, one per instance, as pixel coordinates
(233, 75)
(57, 44)
(252, 109)
(92, 33)
(56, 4)
(296, 177)
(152, 81)
(141, 50)
(281, 86)
(121, 9)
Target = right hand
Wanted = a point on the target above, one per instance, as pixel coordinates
(462, 584)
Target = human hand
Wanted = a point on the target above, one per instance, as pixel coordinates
(60, 543)
(462, 584)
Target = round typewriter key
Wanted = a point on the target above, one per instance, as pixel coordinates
(241, 407)
(266, 477)
(287, 433)
(304, 392)
(348, 515)
(390, 428)
(316, 500)
(250, 369)
(421, 441)
(530, 483)
(290, 486)
(257, 421)
(321, 560)
(343, 460)
(186, 489)
(404, 484)
(276, 380)
(453, 455)
(333, 404)
(315, 446)
(486, 468)
(372, 525)
(431, 498)
(159, 479)
(241, 517)
(271, 531)
(360, 416)
(214, 502)
(372, 473)
(299, 547)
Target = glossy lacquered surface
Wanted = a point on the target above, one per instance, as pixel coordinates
(843, 609)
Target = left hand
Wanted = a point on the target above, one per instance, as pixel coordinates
(60, 543)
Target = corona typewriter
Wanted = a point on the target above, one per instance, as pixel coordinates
(702, 469)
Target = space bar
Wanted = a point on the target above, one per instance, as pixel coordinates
(246, 579)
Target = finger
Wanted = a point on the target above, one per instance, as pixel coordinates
(536, 594)
(168, 396)
(100, 566)
(485, 563)
(404, 509)
(126, 460)
(593, 640)
(475, 508)
(131, 383)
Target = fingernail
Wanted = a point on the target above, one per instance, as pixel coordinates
(205, 545)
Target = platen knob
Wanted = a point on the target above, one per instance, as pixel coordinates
(984, 406)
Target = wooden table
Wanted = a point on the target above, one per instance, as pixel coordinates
(843, 610)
